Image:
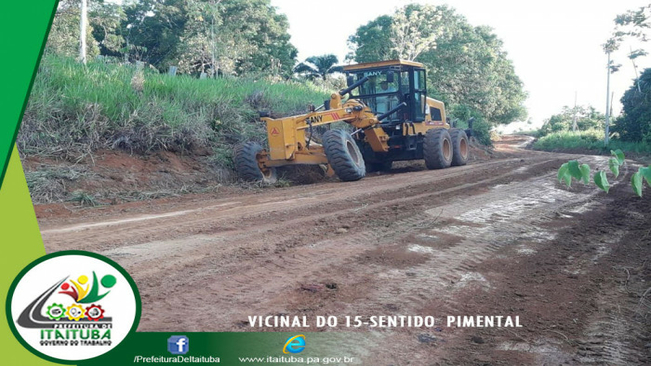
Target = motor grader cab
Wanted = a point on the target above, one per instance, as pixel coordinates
(388, 117)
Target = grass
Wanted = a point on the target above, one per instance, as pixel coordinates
(75, 109)
(48, 184)
(588, 140)
(83, 198)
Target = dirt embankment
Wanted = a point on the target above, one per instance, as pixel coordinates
(496, 237)
(109, 177)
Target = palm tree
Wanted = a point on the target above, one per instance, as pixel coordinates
(318, 66)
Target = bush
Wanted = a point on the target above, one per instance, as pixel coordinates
(591, 139)
(460, 114)
(587, 140)
(587, 118)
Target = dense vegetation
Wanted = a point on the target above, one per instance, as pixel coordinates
(587, 140)
(232, 37)
(244, 39)
(113, 103)
(587, 118)
(634, 124)
(76, 109)
(468, 69)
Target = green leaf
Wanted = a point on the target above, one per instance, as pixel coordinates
(562, 171)
(636, 182)
(585, 173)
(574, 169)
(619, 154)
(646, 173)
(601, 181)
(613, 164)
(567, 179)
(564, 175)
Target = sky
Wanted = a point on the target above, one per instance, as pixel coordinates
(555, 45)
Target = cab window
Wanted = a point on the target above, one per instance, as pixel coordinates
(419, 97)
(377, 83)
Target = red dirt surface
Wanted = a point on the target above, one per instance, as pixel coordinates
(497, 237)
(112, 177)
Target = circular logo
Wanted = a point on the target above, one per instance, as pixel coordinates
(72, 305)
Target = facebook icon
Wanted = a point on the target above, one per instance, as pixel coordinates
(178, 345)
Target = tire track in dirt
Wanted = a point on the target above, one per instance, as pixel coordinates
(277, 274)
(399, 244)
(173, 225)
(600, 328)
(445, 268)
(212, 230)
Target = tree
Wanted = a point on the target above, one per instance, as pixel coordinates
(64, 37)
(587, 118)
(466, 65)
(106, 21)
(267, 33)
(204, 47)
(318, 66)
(635, 122)
(155, 26)
(369, 43)
(414, 29)
(237, 36)
(633, 23)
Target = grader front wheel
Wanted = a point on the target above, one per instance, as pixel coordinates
(437, 149)
(343, 155)
(247, 166)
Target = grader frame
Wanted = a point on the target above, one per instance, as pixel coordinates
(391, 119)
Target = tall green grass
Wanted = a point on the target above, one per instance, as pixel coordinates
(77, 109)
(587, 140)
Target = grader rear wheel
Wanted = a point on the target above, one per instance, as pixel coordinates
(459, 147)
(246, 164)
(343, 155)
(437, 149)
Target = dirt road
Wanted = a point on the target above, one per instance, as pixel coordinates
(497, 237)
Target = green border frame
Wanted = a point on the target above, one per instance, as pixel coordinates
(15, 19)
(44, 258)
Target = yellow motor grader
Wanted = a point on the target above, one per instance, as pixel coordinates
(390, 119)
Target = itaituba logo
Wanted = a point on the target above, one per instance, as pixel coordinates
(85, 306)
(90, 309)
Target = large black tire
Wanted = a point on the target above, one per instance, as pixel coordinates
(343, 155)
(384, 166)
(437, 149)
(459, 147)
(246, 164)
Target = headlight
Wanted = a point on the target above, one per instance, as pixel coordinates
(349, 110)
